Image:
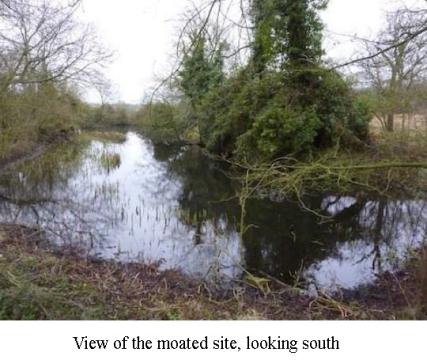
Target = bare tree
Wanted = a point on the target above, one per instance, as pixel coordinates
(40, 41)
(222, 23)
(397, 62)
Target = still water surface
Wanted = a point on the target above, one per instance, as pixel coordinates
(176, 207)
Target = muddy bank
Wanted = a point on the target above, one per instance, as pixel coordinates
(396, 295)
(37, 282)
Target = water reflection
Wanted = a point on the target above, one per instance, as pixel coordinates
(175, 206)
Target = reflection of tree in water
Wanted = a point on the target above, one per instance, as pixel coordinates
(383, 223)
(52, 171)
(67, 195)
(44, 193)
(283, 239)
(207, 194)
(295, 238)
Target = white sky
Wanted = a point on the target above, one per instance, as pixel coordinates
(142, 33)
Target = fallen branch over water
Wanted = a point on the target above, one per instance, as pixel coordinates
(371, 166)
(289, 177)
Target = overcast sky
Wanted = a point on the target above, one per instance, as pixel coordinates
(142, 32)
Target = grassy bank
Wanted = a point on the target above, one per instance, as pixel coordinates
(37, 283)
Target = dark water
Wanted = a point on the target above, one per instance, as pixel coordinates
(177, 207)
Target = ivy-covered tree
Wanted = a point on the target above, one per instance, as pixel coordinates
(200, 71)
(301, 33)
(288, 33)
(263, 45)
(283, 101)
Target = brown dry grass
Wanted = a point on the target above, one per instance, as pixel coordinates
(414, 122)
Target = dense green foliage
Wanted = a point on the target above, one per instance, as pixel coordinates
(160, 121)
(201, 71)
(264, 117)
(106, 116)
(282, 101)
(49, 113)
(37, 115)
(287, 33)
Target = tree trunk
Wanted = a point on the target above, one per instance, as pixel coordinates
(390, 122)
